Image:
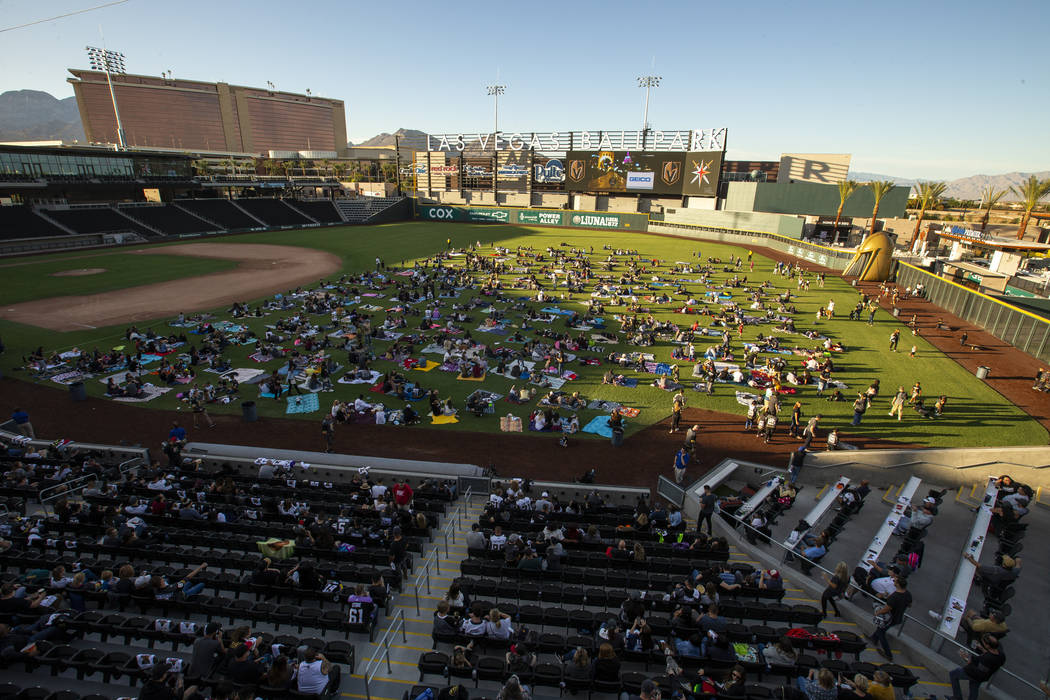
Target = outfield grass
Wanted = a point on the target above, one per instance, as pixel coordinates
(33, 278)
(976, 416)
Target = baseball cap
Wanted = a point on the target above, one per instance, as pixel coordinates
(773, 572)
(544, 495)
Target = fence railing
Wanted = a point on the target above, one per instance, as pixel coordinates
(66, 489)
(382, 651)
(1022, 329)
(423, 574)
(670, 491)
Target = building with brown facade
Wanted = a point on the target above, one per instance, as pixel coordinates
(197, 116)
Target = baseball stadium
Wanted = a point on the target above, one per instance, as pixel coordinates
(504, 415)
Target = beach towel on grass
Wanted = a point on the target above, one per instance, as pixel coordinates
(428, 366)
(433, 349)
(744, 399)
(302, 404)
(70, 377)
(149, 392)
(599, 425)
(269, 394)
(351, 378)
(472, 379)
(603, 406)
(556, 310)
(244, 375)
(443, 420)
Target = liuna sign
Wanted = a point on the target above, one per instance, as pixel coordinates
(533, 217)
(561, 141)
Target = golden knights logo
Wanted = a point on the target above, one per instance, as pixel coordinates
(671, 172)
(577, 169)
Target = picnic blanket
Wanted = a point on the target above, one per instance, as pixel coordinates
(528, 366)
(149, 392)
(443, 419)
(471, 379)
(599, 425)
(429, 365)
(556, 310)
(70, 377)
(119, 377)
(259, 357)
(433, 349)
(302, 404)
(744, 399)
(495, 330)
(552, 382)
(245, 375)
(351, 378)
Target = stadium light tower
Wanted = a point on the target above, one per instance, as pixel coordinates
(648, 82)
(495, 91)
(110, 62)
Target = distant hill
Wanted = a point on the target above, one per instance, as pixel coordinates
(32, 115)
(385, 140)
(971, 187)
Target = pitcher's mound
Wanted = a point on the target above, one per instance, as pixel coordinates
(79, 273)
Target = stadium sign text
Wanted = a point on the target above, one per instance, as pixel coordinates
(682, 140)
(598, 221)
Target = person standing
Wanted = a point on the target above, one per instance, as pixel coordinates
(707, 509)
(898, 403)
(795, 464)
(962, 339)
(810, 432)
(893, 614)
(795, 430)
(681, 463)
(677, 404)
(836, 588)
(979, 668)
(895, 337)
(22, 424)
(859, 407)
(328, 431)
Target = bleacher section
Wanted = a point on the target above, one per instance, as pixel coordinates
(358, 210)
(274, 212)
(220, 211)
(168, 219)
(22, 222)
(94, 641)
(323, 211)
(97, 220)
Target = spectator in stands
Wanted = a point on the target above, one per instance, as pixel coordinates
(891, 614)
(819, 685)
(520, 659)
(445, 624)
(781, 653)
(498, 540)
(398, 550)
(22, 424)
(246, 666)
(514, 690)
(456, 599)
(607, 665)
(904, 524)
(476, 538)
(979, 668)
(855, 688)
(208, 651)
(817, 550)
(316, 675)
(881, 686)
(497, 625)
(474, 625)
(592, 535)
(403, 493)
(161, 684)
(836, 588)
(996, 576)
(280, 675)
(578, 666)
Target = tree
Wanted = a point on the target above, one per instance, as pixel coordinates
(846, 190)
(929, 195)
(989, 198)
(339, 169)
(1031, 191)
(878, 188)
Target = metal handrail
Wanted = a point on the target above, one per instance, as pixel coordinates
(454, 520)
(383, 651)
(906, 618)
(74, 486)
(430, 560)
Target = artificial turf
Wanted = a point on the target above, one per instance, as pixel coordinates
(976, 414)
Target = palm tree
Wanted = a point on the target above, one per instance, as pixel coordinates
(846, 189)
(1031, 191)
(929, 196)
(339, 169)
(989, 198)
(878, 188)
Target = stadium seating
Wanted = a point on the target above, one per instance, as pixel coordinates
(321, 210)
(218, 211)
(22, 222)
(274, 212)
(97, 220)
(168, 219)
(360, 209)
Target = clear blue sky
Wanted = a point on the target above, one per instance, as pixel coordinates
(927, 88)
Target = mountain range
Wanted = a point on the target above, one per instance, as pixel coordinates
(971, 187)
(32, 115)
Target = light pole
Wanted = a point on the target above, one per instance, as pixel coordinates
(110, 62)
(495, 91)
(648, 82)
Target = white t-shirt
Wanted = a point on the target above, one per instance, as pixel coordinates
(497, 541)
(883, 586)
(378, 491)
(311, 680)
(501, 631)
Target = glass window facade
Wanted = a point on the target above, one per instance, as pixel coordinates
(79, 165)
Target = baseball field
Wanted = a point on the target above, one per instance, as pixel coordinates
(87, 300)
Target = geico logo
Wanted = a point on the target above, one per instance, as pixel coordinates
(435, 213)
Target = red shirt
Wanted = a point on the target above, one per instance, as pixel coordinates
(402, 494)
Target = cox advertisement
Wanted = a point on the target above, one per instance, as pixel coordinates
(533, 217)
(672, 173)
